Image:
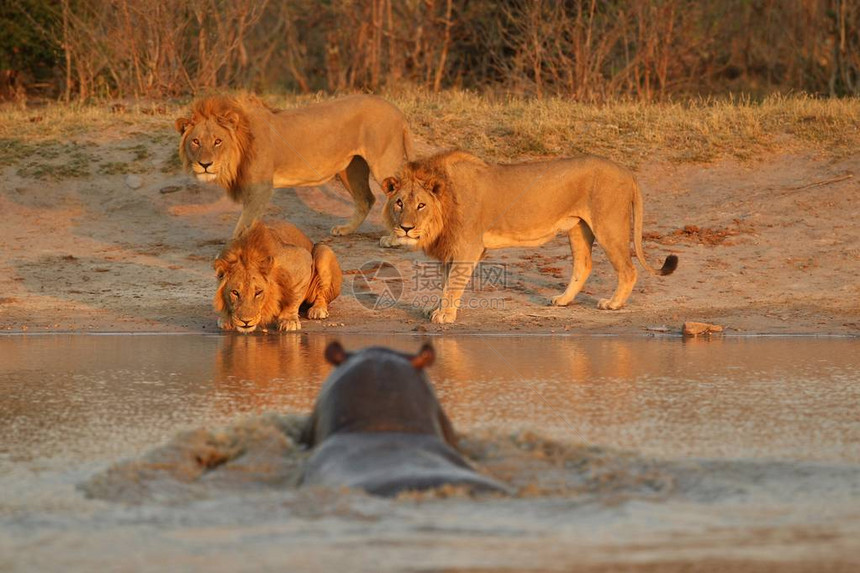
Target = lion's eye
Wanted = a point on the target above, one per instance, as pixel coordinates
(235, 293)
(421, 206)
(217, 142)
(258, 293)
(399, 203)
(195, 142)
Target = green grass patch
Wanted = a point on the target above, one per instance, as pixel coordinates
(74, 163)
(172, 163)
(13, 150)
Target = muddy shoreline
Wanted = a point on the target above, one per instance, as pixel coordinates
(765, 247)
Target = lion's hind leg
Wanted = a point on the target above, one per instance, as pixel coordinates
(617, 249)
(581, 241)
(326, 283)
(356, 179)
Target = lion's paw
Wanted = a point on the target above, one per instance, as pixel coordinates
(287, 324)
(318, 312)
(341, 230)
(389, 241)
(443, 316)
(559, 300)
(607, 304)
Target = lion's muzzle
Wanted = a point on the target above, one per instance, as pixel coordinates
(204, 172)
(408, 233)
(245, 326)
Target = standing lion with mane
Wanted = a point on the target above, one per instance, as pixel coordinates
(455, 207)
(268, 273)
(248, 148)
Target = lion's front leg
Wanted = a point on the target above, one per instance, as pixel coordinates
(319, 310)
(288, 320)
(327, 282)
(255, 200)
(457, 277)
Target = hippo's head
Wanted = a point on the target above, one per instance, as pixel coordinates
(377, 389)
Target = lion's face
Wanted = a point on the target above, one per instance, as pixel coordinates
(216, 140)
(413, 209)
(206, 148)
(246, 293)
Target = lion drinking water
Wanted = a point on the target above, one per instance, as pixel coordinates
(249, 148)
(268, 273)
(455, 207)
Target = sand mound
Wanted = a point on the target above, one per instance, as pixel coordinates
(262, 453)
(258, 452)
(536, 466)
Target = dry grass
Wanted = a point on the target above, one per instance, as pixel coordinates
(694, 131)
(500, 129)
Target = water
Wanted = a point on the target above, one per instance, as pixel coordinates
(771, 426)
(95, 397)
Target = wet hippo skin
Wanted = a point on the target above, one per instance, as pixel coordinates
(378, 426)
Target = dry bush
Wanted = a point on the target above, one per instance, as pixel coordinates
(158, 47)
(347, 45)
(590, 50)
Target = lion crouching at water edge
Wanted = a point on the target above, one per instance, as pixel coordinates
(248, 148)
(266, 275)
(455, 207)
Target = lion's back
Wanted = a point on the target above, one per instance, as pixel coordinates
(288, 234)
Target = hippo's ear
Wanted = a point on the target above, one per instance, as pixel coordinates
(335, 353)
(424, 358)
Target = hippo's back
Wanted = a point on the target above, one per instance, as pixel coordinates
(388, 463)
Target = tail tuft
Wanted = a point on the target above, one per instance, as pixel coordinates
(669, 266)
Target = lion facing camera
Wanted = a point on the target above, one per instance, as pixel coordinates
(249, 148)
(455, 207)
(266, 275)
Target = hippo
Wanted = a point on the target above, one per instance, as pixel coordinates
(377, 426)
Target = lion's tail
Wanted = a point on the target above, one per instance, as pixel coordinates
(671, 262)
(408, 147)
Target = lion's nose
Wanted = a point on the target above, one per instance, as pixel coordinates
(246, 322)
(406, 229)
(205, 165)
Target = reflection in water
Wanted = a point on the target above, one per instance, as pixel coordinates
(98, 397)
(263, 373)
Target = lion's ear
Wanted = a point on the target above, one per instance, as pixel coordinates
(424, 358)
(229, 119)
(335, 354)
(222, 267)
(182, 124)
(437, 186)
(265, 265)
(390, 185)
